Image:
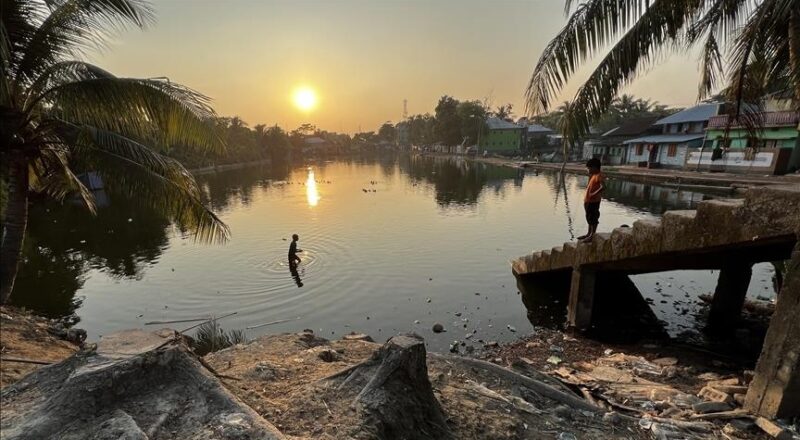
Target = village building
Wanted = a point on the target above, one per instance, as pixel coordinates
(680, 132)
(501, 137)
(316, 145)
(760, 143)
(536, 140)
(610, 148)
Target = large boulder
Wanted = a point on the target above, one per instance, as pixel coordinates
(141, 386)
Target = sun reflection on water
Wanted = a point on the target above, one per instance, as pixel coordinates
(311, 189)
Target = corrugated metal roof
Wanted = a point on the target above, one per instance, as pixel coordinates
(499, 124)
(665, 138)
(697, 113)
(314, 140)
(536, 128)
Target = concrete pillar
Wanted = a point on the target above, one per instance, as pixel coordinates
(729, 296)
(775, 389)
(581, 298)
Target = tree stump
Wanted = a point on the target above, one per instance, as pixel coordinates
(397, 401)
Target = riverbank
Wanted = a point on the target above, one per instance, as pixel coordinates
(226, 167)
(300, 385)
(28, 342)
(665, 177)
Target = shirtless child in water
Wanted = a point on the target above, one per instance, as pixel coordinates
(293, 258)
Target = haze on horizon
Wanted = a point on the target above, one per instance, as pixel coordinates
(362, 58)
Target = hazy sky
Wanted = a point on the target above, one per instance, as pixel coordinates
(362, 57)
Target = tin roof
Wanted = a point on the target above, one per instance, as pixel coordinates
(697, 113)
(500, 124)
(665, 138)
(536, 128)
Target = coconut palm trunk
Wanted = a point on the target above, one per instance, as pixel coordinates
(59, 116)
(16, 220)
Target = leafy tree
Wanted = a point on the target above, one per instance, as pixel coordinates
(472, 115)
(421, 129)
(630, 35)
(448, 125)
(273, 141)
(387, 132)
(60, 117)
(306, 130)
(504, 112)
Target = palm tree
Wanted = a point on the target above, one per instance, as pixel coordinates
(59, 117)
(633, 35)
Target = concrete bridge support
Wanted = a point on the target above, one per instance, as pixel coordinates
(729, 295)
(581, 298)
(775, 389)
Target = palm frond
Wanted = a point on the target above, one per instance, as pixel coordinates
(589, 29)
(711, 67)
(718, 24)
(793, 54)
(133, 170)
(61, 73)
(51, 174)
(74, 25)
(158, 111)
(765, 36)
(210, 337)
(659, 27)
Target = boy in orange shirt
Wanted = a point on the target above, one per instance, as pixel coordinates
(591, 201)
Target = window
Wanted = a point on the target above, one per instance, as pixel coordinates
(672, 151)
(771, 143)
(639, 149)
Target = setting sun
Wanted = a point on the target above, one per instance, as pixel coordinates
(305, 99)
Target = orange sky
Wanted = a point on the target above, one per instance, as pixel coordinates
(362, 57)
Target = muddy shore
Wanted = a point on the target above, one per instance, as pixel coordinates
(633, 391)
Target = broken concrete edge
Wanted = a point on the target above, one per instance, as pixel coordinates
(763, 213)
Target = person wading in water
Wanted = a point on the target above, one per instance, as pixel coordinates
(293, 258)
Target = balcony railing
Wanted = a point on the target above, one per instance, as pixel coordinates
(766, 119)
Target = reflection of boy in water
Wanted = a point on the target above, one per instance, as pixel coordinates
(295, 275)
(293, 258)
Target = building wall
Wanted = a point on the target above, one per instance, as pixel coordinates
(675, 161)
(634, 158)
(501, 140)
(765, 161)
(786, 137)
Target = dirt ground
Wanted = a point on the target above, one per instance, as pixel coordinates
(564, 350)
(25, 336)
(283, 377)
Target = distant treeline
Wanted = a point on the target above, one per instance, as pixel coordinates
(452, 123)
(262, 142)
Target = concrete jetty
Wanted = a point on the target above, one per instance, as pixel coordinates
(725, 234)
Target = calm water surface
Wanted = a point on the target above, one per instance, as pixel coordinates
(390, 244)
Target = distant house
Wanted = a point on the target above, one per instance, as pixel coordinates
(763, 143)
(680, 132)
(316, 145)
(536, 141)
(501, 136)
(610, 148)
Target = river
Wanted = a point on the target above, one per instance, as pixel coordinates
(390, 244)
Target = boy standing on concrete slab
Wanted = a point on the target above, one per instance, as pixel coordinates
(591, 201)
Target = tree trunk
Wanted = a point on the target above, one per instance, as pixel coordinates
(16, 220)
